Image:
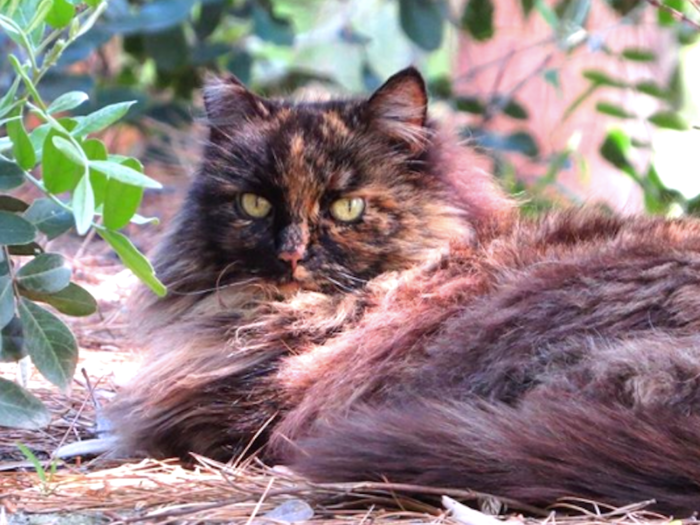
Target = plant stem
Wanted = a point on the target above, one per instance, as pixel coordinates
(11, 271)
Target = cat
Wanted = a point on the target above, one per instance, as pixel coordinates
(350, 297)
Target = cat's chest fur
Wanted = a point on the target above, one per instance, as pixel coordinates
(522, 311)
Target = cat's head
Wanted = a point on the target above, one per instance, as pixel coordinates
(324, 195)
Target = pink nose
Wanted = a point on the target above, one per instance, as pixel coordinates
(292, 257)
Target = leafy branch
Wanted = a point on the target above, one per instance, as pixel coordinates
(84, 186)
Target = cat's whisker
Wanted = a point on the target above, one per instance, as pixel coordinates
(215, 288)
(186, 280)
(339, 285)
(352, 277)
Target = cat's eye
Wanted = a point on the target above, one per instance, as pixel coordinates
(348, 209)
(255, 206)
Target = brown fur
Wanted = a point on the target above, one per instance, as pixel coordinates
(465, 347)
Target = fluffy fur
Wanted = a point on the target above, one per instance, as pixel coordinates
(441, 339)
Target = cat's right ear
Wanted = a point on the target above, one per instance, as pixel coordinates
(228, 102)
(399, 108)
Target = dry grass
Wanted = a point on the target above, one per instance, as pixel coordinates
(163, 492)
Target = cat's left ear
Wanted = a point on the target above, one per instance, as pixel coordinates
(228, 102)
(399, 108)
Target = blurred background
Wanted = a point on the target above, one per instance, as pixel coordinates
(568, 101)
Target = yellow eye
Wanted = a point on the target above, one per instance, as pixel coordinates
(255, 205)
(348, 209)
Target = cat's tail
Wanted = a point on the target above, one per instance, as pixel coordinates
(541, 451)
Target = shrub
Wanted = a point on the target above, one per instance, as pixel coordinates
(83, 186)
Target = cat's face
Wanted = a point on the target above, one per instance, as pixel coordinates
(322, 196)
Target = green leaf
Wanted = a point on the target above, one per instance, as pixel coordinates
(4, 266)
(8, 98)
(101, 118)
(9, 203)
(50, 218)
(527, 7)
(439, 87)
(422, 21)
(518, 142)
(693, 206)
(241, 64)
(515, 110)
(69, 150)
(37, 138)
(96, 150)
(477, 19)
(60, 14)
(210, 16)
(49, 342)
(22, 146)
(270, 28)
(601, 78)
(12, 342)
(93, 3)
(83, 205)
(615, 149)
(548, 14)
(639, 143)
(20, 409)
(573, 15)
(657, 197)
(121, 200)
(22, 72)
(31, 457)
(169, 49)
(638, 54)
(133, 259)
(68, 101)
(7, 301)
(613, 110)
(15, 230)
(14, 31)
(624, 7)
(11, 175)
(46, 273)
(124, 174)
(36, 26)
(72, 300)
(153, 17)
(669, 120)
(60, 174)
(665, 16)
(470, 105)
(522, 142)
(25, 249)
(652, 89)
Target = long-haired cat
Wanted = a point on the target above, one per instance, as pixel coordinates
(349, 297)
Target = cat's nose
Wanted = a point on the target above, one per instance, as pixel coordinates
(292, 244)
(293, 256)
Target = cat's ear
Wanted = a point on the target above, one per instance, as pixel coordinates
(228, 102)
(399, 108)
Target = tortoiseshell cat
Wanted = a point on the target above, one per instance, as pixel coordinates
(350, 298)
